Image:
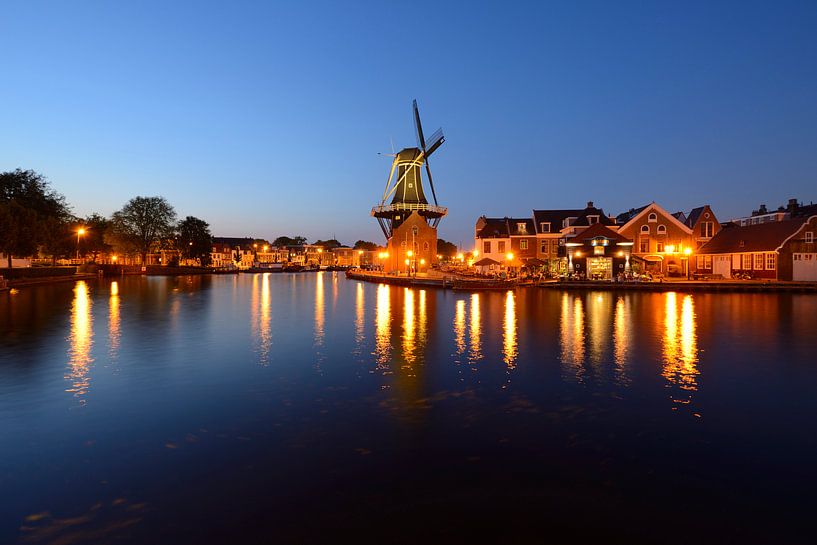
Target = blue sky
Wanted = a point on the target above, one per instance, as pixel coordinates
(265, 118)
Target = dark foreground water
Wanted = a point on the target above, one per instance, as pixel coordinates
(308, 408)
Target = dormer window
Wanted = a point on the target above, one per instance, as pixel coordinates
(662, 230)
(521, 227)
(653, 217)
(567, 222)
(592, 220)
(544, 227)
(645, 229)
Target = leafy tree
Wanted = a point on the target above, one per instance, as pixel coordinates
(93, 242)
(195, 240)
(29, 210)
(289, 241)
(365, 245)
(445, 248)
(60, 238)
(142, 225)
(328, 244)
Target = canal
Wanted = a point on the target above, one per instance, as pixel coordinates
(312, 408)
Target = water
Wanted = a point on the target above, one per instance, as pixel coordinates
(306, 407)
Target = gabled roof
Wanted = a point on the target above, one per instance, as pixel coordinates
(658, 209)
(693, 216)
(762, 237)
(680, 216)
(486, 261)
(598, 231)
(494, 228)
(624, 217)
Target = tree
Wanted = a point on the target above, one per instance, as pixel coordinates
(143, 225)
(29, 211)
(365, 245)
(328, 244)
(93, 242)
(195, 240)
(289, 241)
(445, 248)
(60, 238)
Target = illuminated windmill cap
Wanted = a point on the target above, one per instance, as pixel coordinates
(404, 191)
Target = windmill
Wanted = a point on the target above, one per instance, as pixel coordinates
(404, 185)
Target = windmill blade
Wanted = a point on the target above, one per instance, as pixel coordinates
(435, 142)
(388, 181)
(421, 142)
(431, 182)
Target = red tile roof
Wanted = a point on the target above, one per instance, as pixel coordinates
(763, 237)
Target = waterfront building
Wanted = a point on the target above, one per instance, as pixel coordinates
(598, 253)
(408, 221)
(774, 250)
(344, 256)
(555, 226)
(703, 223)
(793, 209)
(662, 243)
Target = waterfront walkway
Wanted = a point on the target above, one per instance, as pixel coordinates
(451, 281)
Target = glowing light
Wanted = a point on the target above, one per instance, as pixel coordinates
(475, 253)
(670, 249)
(476, 329)
(383, 327)
(113, 319)
(408, 326)
(81, 231)
(571, 335)
(266, 248)
(407, 262)
(360, 252)
(460, 257)
(459, 326)
(509, 256)
(409, 253)
(422, 262)
(680, 345)
(578, 254)
(621, 254)
(687, 251)
(114, 258)
(509, 350)
(81, 341)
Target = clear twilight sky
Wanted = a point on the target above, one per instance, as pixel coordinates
(266, 118)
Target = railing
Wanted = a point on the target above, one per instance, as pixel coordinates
(442, 210)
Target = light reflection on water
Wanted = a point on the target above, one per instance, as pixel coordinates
(383, 328)
(459, 326)
(81, 340)
(571, 335)
(114, 332)
(509, 351)
(680, 346)
(475, 330)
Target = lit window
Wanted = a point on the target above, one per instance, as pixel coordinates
(521, 227)
(523, 244)
(644, 245)
(662, 230)
(746, 262)
(770, 261)
(653, 217)
(554, 245)
(501, 246)
(659, 247)
(758, 262)
(543, 246)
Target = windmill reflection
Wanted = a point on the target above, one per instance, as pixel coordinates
(680, 346)
(81, 341)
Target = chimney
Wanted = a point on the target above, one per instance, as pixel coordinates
(589, 204)
(762, 209)
(792, 207)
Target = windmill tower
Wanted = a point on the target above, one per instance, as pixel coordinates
(408, 221)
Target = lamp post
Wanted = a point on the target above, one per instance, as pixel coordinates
(687, 253)
(80, 232)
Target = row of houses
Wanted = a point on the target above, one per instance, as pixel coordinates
(650, 239)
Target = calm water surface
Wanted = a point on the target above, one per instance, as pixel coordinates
(286, 408)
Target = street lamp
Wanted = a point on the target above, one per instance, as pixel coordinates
(80, 232)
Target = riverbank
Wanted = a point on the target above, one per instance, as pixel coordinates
(472, 284)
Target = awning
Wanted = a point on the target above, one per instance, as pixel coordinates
(653, 258)
(485, 262)
(534, 262)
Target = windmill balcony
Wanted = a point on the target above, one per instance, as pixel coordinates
(429, 209)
